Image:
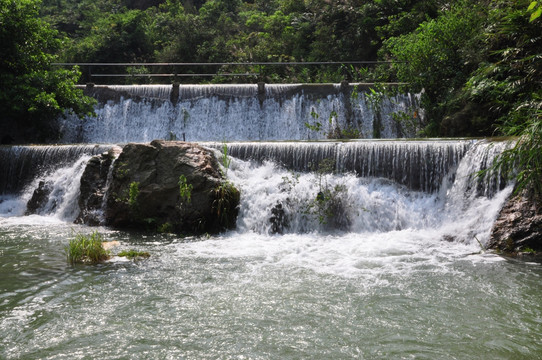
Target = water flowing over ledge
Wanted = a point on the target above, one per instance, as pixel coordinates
(241, 112)
(21, 164)
(375, 186)
(420, 165)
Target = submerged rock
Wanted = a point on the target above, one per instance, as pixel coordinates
(518, 229)
(144, 189)
(278, 219)
(39, 199)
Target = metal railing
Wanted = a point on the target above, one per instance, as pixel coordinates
(176, 67)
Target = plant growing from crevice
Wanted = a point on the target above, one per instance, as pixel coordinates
(226, 199)
(317, 126)
(407, 121)
(351, 133)
(87, 249)
(121, 171)
(172, 136)
(165, 228)
(185, 190)
(328, 205)
(225, 159)
(374, 101)
(226, 195)
(186, 116)
(133, 195)
(528, 250)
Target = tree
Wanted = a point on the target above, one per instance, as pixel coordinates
(33, 94)
(438, 58)
(509, 81)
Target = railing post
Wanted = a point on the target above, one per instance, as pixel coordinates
(261, 92)
(174, 97)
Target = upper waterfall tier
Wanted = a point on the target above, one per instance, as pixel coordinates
(242, 112)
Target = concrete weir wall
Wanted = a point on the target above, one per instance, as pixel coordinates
(242, 112)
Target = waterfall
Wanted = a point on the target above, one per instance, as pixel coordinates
(239, 113)
(406, 186)
(21, 164)
(51, 171)
(297, 187)
(420, 165)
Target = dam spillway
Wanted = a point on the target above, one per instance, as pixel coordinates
(129, 113)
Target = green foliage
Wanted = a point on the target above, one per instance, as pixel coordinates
(227, 197)
(350, 133)
(524, 160)
(535, 8)
(133, 254)
(528, 250)
(33, 94)
(235, 30)
(185, 190)
(225, 159)
(86, 249)
(438, 57)
(329, 204)
(407, 121)
(316, 127)
(133, 194)
(166, 228)
(507, 86)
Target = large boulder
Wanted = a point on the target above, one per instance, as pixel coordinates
(94, 186)
(518, 229)
(145, 189)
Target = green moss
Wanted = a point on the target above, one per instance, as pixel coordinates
(133, 254)
(528, 250)
(227, 198)
(165, 228)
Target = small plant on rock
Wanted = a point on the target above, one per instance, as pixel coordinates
(226, 161)
(226, 195)
(329, 205)
(133, 194)
(185, 190)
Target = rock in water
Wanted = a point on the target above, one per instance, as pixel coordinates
(519, 226)
(94, 186)
(39, 199)
(144, 190)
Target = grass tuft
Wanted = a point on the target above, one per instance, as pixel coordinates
(86, 249)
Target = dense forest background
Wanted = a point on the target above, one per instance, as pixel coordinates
(477, 63)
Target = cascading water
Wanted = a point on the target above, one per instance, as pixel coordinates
(239, 112)
(420, 165)
(403, 186)
(358, 249)
(54, 169)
